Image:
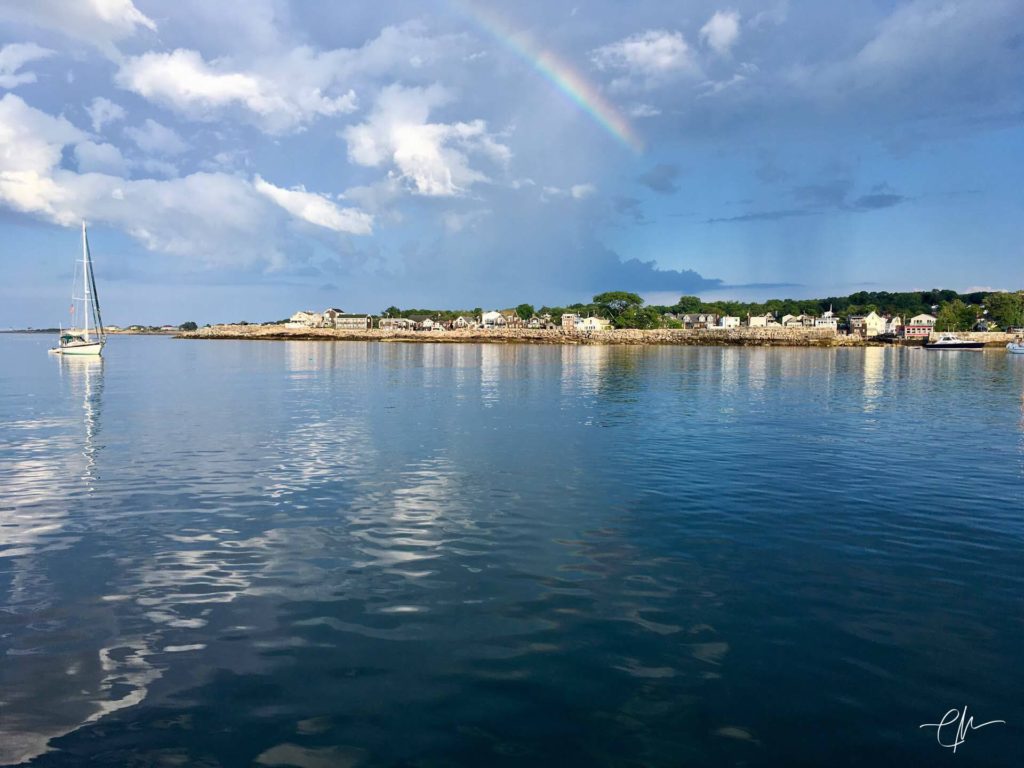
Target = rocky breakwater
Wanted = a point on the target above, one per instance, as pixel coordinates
(783, 337)
(745, 337)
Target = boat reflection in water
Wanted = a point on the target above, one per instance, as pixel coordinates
(85, 376)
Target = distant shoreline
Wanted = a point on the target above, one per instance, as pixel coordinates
(761, 337)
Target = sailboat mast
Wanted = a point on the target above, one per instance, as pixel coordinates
(87, 304)
(97, 316)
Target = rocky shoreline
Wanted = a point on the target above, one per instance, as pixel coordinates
(790, 337)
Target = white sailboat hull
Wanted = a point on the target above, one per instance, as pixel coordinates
(93, 348)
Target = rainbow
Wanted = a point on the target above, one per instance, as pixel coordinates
(555, 70)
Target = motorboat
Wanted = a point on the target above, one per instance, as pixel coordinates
(1015, 348)
(953, 342)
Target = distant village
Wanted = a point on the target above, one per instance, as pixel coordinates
(868, 325)
(883, 316)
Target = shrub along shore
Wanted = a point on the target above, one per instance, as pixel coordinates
(783, 337)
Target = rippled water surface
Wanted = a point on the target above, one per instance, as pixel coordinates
(345, 554)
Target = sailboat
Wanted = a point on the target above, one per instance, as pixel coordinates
(74, 342)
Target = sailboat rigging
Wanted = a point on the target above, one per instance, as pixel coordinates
(86, 341)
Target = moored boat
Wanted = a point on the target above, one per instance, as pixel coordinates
(1015, 348)
(80, 342)
(953, 342)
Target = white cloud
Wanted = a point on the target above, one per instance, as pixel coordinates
(182, 80)
(214, 218)
(652, 55)
(316, 209)
(97, 22)
(100, 158)
(282, 92)
(721, 32)
(156, 139)
(576, 192)
(16, 55)
(103, 112)
(430, 158)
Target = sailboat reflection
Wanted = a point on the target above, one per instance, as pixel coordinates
(85, 375)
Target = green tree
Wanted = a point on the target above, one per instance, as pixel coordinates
(525, 311)
(189, 326)
(688, 304)
(1006, 309)
(956, 316)
(391, 311)
(638, 317)
(614, 303)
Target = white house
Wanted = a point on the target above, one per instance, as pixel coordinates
(766, 320)
(827, 320)
(919, 327)
(464, 321)
(728, 321)
(593, 324)
(305, 319)
(868, 326)
(893, 325)
(493, 319)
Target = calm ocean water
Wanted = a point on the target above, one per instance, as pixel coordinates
(344, 554)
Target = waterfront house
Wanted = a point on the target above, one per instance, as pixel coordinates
(569, 320)
(728, 321)
(827, 320)
(589, 324)
(919, 327)
(419, 321)
(464, 321)
(699, 320)
(352, 322)
(893, 325)
(512, 319)
(492, 320)
(766, 320)
(798, 321)
(867, 326)
(540, 321)
(396, 324)
(328, 315)
(305, 319)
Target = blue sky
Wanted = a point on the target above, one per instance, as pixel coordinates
(242, 160)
